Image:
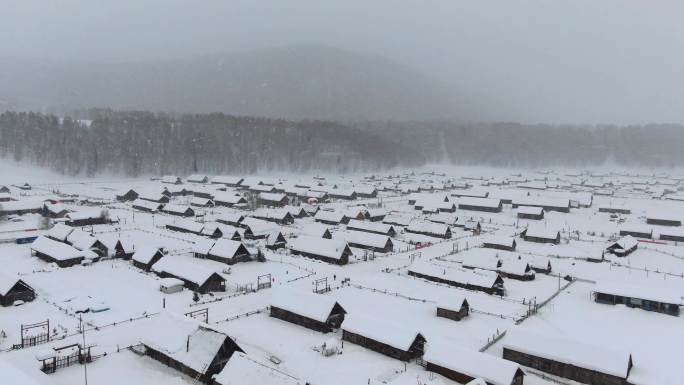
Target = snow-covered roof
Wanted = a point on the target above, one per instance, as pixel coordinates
(56, 250)
(330, 216)
(174, 208)
(202, 246)
(627, 242)
(197, 178)
(382, 330)
(146, 204)
(21, 205)
(499, 240)
(314, 306)
(60, 232)
(479, 202)
(491, 369)
(376, 227)
(81, 240)
(85, 214)
(480, 278)
(650, 292)
(331, 248)
(400, 220)
(587, 356)
(313, 229)
(259, 226)
(445, 218)
(541, 231)
(13, 375)
(7, 282)
(542, 201)
(228, 197)
(272, 197)
(530, 210)
(225, 248)
(169, 333)
(145, 254)
(427, 227)
(242, 369)
(362, 238)
(188, 225)
(183, 268)
(277, 214)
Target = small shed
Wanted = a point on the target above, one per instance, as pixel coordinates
(456, 309)
(530, 212)
(623, 246)
(14, 289)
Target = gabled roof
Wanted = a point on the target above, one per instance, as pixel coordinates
(583, 355)
(363, 238)
(331, 248)
(645, 292)
(7, 282)
(381, 330)
(242, 369)
(183, 268)
(57, 250)
(60, 232)
(317, 307)
(145, 254)
(169, 334)
(491, 369)
(226, 248)
(330, 216)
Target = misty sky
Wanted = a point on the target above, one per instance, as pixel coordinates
(572, 61)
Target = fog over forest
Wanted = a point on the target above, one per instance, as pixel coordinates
(348, 85)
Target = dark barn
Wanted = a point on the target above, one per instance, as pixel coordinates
(455, 312)
(403, 345)
(14, 289)
(312, 311)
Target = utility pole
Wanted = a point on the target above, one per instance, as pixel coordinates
(85, 360)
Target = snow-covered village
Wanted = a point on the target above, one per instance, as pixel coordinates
(469, 276)
(341, 192)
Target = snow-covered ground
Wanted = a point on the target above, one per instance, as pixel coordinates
(374, 285)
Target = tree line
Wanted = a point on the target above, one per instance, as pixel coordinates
(141, 143)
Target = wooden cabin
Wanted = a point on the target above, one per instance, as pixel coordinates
(454, 310)
(383, 337)
(127, 195)
(145, 257)
(651, 298)
(479, 280)
(313, 311)
(192, 348)
(196, 277)
(178, 210)
(490, 205)
(499, 243)
(431, 229)
(228, 251)
(540, 234)
(271, 199)
(13, 289)
(531, 212)
(585, 363)
(466, 366)
(59, 253)
(623, 246)
(333, 251)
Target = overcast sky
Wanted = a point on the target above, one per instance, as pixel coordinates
(571, 61)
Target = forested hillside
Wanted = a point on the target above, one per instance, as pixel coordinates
(136, 143)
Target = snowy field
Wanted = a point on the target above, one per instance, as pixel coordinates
(119, 304)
